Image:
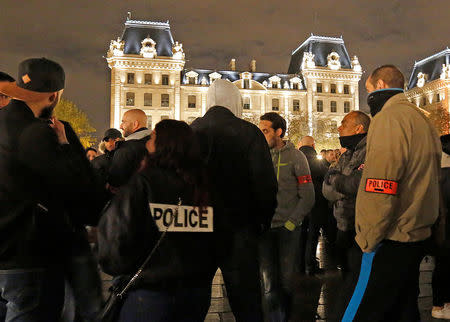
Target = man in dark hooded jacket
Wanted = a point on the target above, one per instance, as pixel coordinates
(244, 190)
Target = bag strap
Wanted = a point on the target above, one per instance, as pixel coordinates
(138, 273)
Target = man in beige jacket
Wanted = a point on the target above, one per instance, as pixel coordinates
(397, 203)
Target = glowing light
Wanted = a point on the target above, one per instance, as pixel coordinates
(319, 157)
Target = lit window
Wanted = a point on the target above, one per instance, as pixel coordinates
(333, 106)
(424, 101)
(130, 99)
(147, 99)
(191, 80)
(275, 84)
(246, 103)
(130, 78)
(275, 104)
(319, 106)
(246, 83)
(165, 79)
(319, 87)
(164, 117)
(346, 89)
(296, 105)
(164, 100)
(346, 107)
(192, 101)
(333, 88)
(148, 79)
(438, 97)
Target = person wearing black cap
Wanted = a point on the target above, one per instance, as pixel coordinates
(102, 163)
(4, 99)
(42, 178)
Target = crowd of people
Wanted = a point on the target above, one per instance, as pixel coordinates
(170, 206)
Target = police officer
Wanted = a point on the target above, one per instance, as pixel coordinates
(397, 203)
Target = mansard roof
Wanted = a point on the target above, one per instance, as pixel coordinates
(430, 66)
(235, 75)
(321, 47)
(136, 31)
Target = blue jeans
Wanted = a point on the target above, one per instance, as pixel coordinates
(31, 295)
(184, 304)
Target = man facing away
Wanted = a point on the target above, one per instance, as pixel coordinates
(397, 202)
(40, 177)
(130, 153)
(243, 194)
(279, 246)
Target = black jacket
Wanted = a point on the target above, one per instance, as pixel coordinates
(127, 158)
(127, 233)
(39, 179)
(318, 171)
(101, 165)
(240, 170)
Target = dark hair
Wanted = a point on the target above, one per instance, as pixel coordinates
(390, 74)
(90, 149)
(6, 77)
(277, 121)
(177, 149)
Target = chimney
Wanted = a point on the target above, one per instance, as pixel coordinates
(253, 66)
(232, 64)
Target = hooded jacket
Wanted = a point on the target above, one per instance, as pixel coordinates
(342, 192)
(237, 158)
(295, 187)
(398, 198)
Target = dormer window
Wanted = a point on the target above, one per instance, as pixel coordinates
(294, 85)
(214, 76)
(275, 81)
(192, 77)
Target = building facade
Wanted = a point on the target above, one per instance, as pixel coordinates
(148, 72)
(429, 87)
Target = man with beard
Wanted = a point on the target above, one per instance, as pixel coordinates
(280, 245)
(40, 177)
(4, 99)
(397, 202)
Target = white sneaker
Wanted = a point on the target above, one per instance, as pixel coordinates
(443, 313)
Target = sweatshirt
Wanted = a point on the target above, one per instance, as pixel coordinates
(295, 188)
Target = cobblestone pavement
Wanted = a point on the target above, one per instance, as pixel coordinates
(315, 295)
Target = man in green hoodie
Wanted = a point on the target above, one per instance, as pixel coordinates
(280, 246)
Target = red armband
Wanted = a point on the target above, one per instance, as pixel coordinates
(387, 187)
(304, 179)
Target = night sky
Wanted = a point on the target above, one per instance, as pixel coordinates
(77, 35)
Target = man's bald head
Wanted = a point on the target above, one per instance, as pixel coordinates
(132, 121)
(307, 141)
(386, 76)
(355, 122)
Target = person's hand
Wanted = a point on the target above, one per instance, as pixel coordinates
(58, 127)
(342, 150)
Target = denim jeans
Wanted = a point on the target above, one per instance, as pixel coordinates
(188, 304)
(32, 295)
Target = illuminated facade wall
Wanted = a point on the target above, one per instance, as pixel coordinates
(155, 80)
(429, 88)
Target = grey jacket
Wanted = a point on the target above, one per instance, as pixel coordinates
(344, 188)
(295, 188)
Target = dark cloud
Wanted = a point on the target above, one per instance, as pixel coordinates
(77, 34)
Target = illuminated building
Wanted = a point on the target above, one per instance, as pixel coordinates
(429, 86)
(148, 72)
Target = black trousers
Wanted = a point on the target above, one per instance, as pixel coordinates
(388, 284)
(441, 278)
(278, 260)
(237, 258)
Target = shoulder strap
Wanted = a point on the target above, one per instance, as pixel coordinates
(141, 268)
